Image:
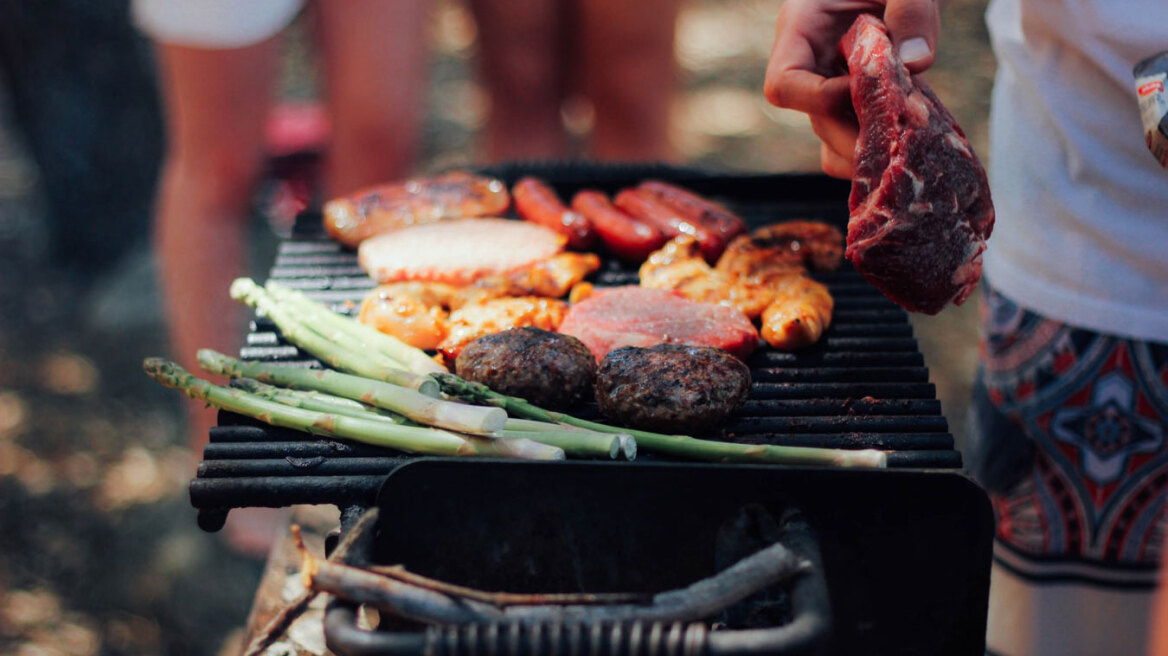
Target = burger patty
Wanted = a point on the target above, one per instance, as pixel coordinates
(548, 369)
(671, 387)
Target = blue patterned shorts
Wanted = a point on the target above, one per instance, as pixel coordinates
(1068, 435)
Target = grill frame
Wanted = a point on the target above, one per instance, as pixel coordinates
(865, 385)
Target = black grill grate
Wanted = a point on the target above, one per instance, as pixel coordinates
(864, 385)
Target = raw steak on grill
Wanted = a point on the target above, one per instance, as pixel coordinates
(635, 316)
(920, 202)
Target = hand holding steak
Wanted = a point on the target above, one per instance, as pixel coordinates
(920, 203)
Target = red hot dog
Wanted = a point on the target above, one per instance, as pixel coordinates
(627, 238)
(641, 204)
(722, 221)
(535, 201)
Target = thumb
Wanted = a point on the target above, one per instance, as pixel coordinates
(915, 26)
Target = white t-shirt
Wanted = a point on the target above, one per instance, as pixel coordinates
(214, 24)
(1082, 206)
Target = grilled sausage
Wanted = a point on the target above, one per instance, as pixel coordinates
(627, 238)
(722, 221)
(641, 204)
(549, 369)
(671, 387)
(384, 208)
(535, 201)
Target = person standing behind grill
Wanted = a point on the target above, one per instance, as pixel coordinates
(1070, 407)
(534, 55)
(218, 61)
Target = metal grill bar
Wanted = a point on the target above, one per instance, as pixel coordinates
(863, 385)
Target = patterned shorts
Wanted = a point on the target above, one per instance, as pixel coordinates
(1068, 435)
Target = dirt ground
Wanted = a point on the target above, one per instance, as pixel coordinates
(99, 552)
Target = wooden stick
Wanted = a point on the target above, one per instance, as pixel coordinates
(698, 601)
(280, 622)
(501, 599)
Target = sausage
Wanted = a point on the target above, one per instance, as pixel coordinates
(535, 201)
(722, 221)
(641, 204)
(627, 238)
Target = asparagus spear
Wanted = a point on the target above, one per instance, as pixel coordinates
(340, 356)
(317, 401)
(408, 403)
(574, 441)
(348, 331)
(413, 439)
(682, 446)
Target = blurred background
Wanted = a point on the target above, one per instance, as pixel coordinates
(99, 552)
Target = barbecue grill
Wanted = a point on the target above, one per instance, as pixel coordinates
(905, 551)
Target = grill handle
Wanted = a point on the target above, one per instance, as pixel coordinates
(805, 634)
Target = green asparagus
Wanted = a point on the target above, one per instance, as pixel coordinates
(680, 446)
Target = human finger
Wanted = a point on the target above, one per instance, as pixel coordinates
(833, 163)
(800, 73)
(915, 26)
(839, 135)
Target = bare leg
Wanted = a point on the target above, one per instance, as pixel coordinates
(521, 61)
(216, 102)
(375, 65)
(629, 74)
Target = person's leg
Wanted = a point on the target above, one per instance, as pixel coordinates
(216, 102)
(374, 59)
(521, 62)
(629, 75)
(1067, 439)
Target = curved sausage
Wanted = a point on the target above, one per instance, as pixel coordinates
(537, 202)
(641, 204)
(725, 223)
(627, 238)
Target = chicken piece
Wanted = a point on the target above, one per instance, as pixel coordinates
(798, 315)
(413, 312)
(418, 312)
(761, 274)
(475, 320)
(552, 277)
(782, 245)
(679, 266)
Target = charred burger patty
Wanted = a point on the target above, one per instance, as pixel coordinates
(549, 369)
(671, 387)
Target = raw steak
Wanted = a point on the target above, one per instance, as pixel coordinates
(457, 251)
(635, 316)
(920, 203)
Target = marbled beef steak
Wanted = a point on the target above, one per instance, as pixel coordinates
(920, 203)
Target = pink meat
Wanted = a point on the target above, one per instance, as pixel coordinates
(920, 203)
(457, 251)
(636, 316)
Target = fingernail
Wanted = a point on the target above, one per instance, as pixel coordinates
(913, 50)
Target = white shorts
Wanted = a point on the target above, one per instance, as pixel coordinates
(214, 23)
